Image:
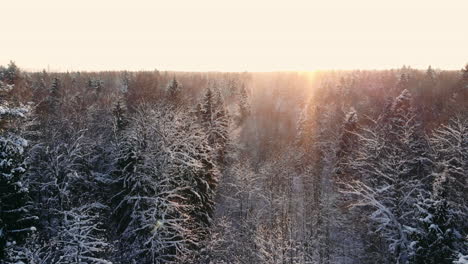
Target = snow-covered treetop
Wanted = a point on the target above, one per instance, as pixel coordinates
(12, 112)
(10, 73)
(6, 111)
(403, 101)
(465, 72)
(351, 116)
(462, 260)
(438, 187)
(430, 72)
(5, 88)
(464, 78)
(174, 89)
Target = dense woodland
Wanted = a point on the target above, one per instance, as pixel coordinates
(154, 167)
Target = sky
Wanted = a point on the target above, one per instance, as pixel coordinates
(236, 35)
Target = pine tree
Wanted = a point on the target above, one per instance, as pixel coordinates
(10, 74)
(95, 89)
(69, 185)
(307, 126)
(168, 187)
(317, 151)
(16, 216)
(437, 239)
(347, 143)
(53, 99)
(391, 165)
(442, 220)
(450, 144)
(460, 94)
(351, 224)
(120, 119)
(403, 82)
(222, 127)
(428, 89)
(15, 209)
(207, 108)
(431, 74)
(244, 106)
(464, 78)
(174, 90)
(214, 118)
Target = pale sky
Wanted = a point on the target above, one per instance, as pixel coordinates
(236, 35)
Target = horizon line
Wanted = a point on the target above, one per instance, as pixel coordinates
(324, 69)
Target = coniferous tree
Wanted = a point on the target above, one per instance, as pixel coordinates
(53, 99)
(174, 90)
(442, 223)
(307, 126)
(392, 165)
(16, 212)
(10, 74)
(120, 119)
(464, 78)
(463, 88)
(317, 151)
(244, 106)
(431, 75)
(437, 237)
(214, 118)
(428, 92)
(222, 127)
(347, 143)
(168, 187)
(450, 144)
(68, 193)
(403, 82)
(208, 108)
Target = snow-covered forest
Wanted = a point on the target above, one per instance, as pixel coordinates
(343, 167)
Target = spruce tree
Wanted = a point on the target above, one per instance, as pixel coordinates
(431, 74)
(442, 216)
(53, 99)
(174, 90)
(450, 144)
(221, 122)
(463, 88)
(214, 118)
(168, 180)
(307, 126)
(244, 106)
(403, 82)
(437, 240)
(464, 78)
(120, 119)
(392, 164)
(347, 143)
(10, 74)
(207, 108)
(16, 216)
